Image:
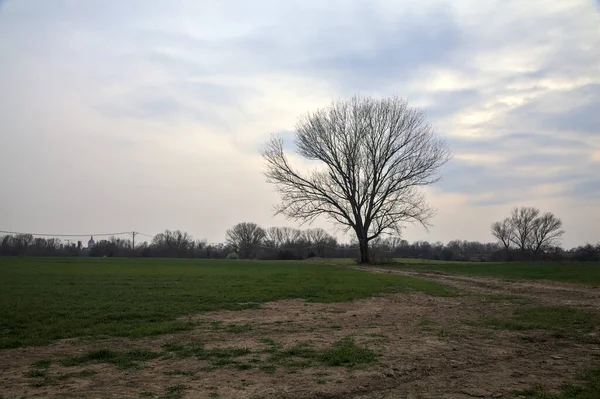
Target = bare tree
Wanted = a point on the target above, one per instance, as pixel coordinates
(170, 243)
(53, 244)
(386, 244)
(503, 231)
(392, 242)
(546, 231)
(523, 221)
(244, 237)
(529, 231)
(40, 243)
(279, 237)
(374, 157)
(319, 239)
(24, 241)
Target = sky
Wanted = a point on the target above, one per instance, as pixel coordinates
(149, 115)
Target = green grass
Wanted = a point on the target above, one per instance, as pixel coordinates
(43, 379)
(426, 324)
(36, 373)
(174, 392)
(570, 272)
(558, 319)
(39, 369)
(587, 388)
(43, 364)
(346, 352)
(238, 328)
(179, 372)
(121, 359)
(135, 358)
(219, 357)
(45, 299)
(268, 368)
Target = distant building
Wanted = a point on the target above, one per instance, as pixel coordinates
(91, 243)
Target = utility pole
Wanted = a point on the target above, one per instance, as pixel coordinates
(133, 233)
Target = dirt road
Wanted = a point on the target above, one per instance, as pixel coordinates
(546, 292)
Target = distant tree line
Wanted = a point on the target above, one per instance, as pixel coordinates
(527, 239)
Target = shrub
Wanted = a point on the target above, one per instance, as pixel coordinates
(233, 255)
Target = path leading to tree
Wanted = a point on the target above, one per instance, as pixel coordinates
(550, 293)
(547, 292)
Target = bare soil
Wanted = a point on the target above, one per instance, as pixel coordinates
(428, 347)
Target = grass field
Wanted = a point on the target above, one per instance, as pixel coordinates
(570, 272)
(44, 299)
(294, 329)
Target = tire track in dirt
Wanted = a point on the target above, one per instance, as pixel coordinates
(547, 292)
(472, 377)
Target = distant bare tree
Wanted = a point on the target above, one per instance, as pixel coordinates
(587, 253)
(384, 247)
(53, 244)
(529, 231)
(522, 221)
(244, 237)
(24, 241)
(169, 243)
(40, 243)
(546, 232)
(503, 231)
(392, 242)
(320, 239)
(279, 237)
(273, 237)
(375, 155)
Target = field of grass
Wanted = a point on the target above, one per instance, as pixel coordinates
(323, 342)
(559, 319)
(587, 387)
(45, 299)
(570, 272)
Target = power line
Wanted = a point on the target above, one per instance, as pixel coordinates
(67, 235)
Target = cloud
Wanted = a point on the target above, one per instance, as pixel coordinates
(580, 112)
(161, 107)
(213, 105)
(387, 52)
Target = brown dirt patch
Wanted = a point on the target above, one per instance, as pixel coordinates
(426, 349)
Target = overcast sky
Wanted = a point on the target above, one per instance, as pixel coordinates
(148, 115)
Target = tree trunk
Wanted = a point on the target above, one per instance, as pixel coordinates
(364, 250)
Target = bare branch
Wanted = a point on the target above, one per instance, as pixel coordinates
(522, 221)
(546, 232)
(504, 232)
